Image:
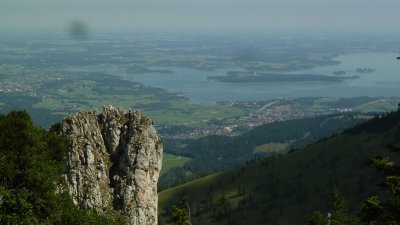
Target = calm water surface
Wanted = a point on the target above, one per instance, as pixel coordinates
(384, 81)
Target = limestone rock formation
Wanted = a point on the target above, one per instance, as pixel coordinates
(114, 160)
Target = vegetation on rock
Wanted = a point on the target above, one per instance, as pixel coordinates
(181, 216)
(31, 191)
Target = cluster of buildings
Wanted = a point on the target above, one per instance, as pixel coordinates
(265, 114)
(279, 113)
(22, 86)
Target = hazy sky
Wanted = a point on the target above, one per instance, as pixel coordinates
(368, 15)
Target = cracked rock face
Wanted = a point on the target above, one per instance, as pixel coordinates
(114, 161)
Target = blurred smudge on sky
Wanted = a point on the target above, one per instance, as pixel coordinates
(78, 30)
(305, 15)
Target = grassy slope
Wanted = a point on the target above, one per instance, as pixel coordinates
(271, 147)
(171, 161)
(288, 188)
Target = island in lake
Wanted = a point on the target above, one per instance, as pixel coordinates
(364, 70)
(339, 73)
(251, 77)
(142, 69)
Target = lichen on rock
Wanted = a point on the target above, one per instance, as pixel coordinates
(114, 161)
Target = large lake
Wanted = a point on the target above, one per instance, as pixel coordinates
(384, 81)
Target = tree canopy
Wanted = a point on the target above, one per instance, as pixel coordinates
(31, 191)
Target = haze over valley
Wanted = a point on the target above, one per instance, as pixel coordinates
(251, 112)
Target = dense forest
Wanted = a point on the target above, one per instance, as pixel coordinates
(212, 154)
(289, 188)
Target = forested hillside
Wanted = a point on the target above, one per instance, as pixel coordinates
(287, 189)
(216, 153)
(31, 189)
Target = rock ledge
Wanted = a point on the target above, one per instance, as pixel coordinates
(114, 161)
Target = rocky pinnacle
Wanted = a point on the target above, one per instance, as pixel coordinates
(114, 161)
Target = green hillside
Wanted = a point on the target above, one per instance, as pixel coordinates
(286, 189)
(172, 161)
(212, 154)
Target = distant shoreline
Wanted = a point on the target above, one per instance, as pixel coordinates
(252, 77)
